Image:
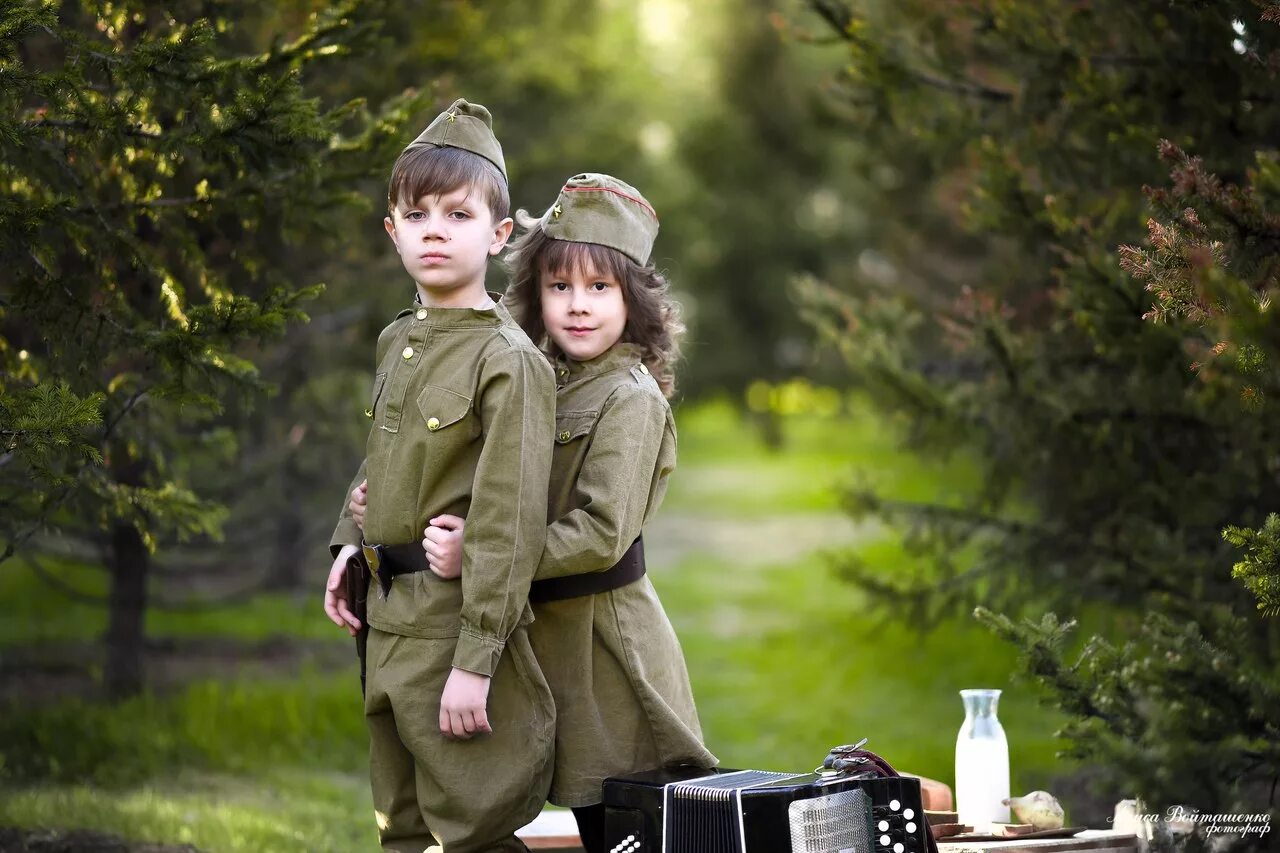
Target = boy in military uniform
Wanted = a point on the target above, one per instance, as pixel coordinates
(460, 718)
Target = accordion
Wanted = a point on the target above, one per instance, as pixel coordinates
(692, 810)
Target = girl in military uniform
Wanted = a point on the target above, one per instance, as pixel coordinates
(583, 289)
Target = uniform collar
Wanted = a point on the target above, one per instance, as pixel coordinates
(615, 357)
(494, 315)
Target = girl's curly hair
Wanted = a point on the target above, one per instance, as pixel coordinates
(653, 317)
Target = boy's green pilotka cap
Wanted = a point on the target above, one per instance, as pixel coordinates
(601, 209)
(466, 126)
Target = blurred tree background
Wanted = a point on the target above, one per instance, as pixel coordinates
(911, 239)
(1119, 392)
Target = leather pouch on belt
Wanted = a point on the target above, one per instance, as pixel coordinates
(357, 579)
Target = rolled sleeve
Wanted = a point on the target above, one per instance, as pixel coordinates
(613, 487)
(506, 524)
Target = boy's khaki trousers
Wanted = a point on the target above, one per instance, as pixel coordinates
(455, 796)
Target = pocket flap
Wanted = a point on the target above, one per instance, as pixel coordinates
(573, 425)
(441, 407)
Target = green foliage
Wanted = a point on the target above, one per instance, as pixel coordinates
(1152, 712)
(46, 423)
(1118, 401)
(1259, 571)
(153, 163)
(146, 169)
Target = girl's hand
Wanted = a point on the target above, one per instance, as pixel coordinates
(463, 705)
(359, 499)
(443, 543)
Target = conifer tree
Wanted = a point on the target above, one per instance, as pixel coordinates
(150, 170)
(1118, 395)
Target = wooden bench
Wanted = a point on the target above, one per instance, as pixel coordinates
(555, 832)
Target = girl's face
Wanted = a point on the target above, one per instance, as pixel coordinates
(584, 311)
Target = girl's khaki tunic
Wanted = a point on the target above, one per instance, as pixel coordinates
(622, 694)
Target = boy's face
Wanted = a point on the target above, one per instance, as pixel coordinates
(584, 312)
(445, 241)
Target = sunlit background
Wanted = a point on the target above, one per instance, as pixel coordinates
(918, 379)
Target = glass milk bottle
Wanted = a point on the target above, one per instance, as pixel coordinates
(982, 762)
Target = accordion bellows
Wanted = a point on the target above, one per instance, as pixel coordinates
(690, 810)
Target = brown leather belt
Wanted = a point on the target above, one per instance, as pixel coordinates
(627, 570)
(387, 561)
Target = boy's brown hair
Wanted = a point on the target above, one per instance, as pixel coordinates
(428, 170)
(653, 317)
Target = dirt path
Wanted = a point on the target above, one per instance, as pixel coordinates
(674, 537)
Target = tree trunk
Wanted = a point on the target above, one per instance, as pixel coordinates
(130, 561)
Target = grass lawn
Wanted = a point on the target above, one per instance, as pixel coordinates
(786, 663)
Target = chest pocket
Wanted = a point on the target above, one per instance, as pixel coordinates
(378, 381)
(446, 412)
(571, 426)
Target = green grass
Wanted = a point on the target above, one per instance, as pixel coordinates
(726, 467)
(47, 617)
(786, 662)
(312, 720)
(282, 811)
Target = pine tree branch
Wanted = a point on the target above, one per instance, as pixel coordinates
(841, 23)
(80, 125)
(1021, 529)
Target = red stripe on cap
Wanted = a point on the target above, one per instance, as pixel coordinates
(637, 200)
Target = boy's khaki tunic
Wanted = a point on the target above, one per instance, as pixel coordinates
(622, 694)
(461, 408)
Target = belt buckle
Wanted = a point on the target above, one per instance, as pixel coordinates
(372, 556)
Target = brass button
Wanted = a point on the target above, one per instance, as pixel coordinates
(564, 371)
(644, 369)
(422, 314)
(564, 436)
(433, 424)
(368, 413)
(407, 353)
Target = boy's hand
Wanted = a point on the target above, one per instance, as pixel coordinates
(336, 606)
(359, 498)
(443, 543)
(463, 704)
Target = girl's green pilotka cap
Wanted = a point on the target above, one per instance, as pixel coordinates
(466, 126)
(601, 209)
